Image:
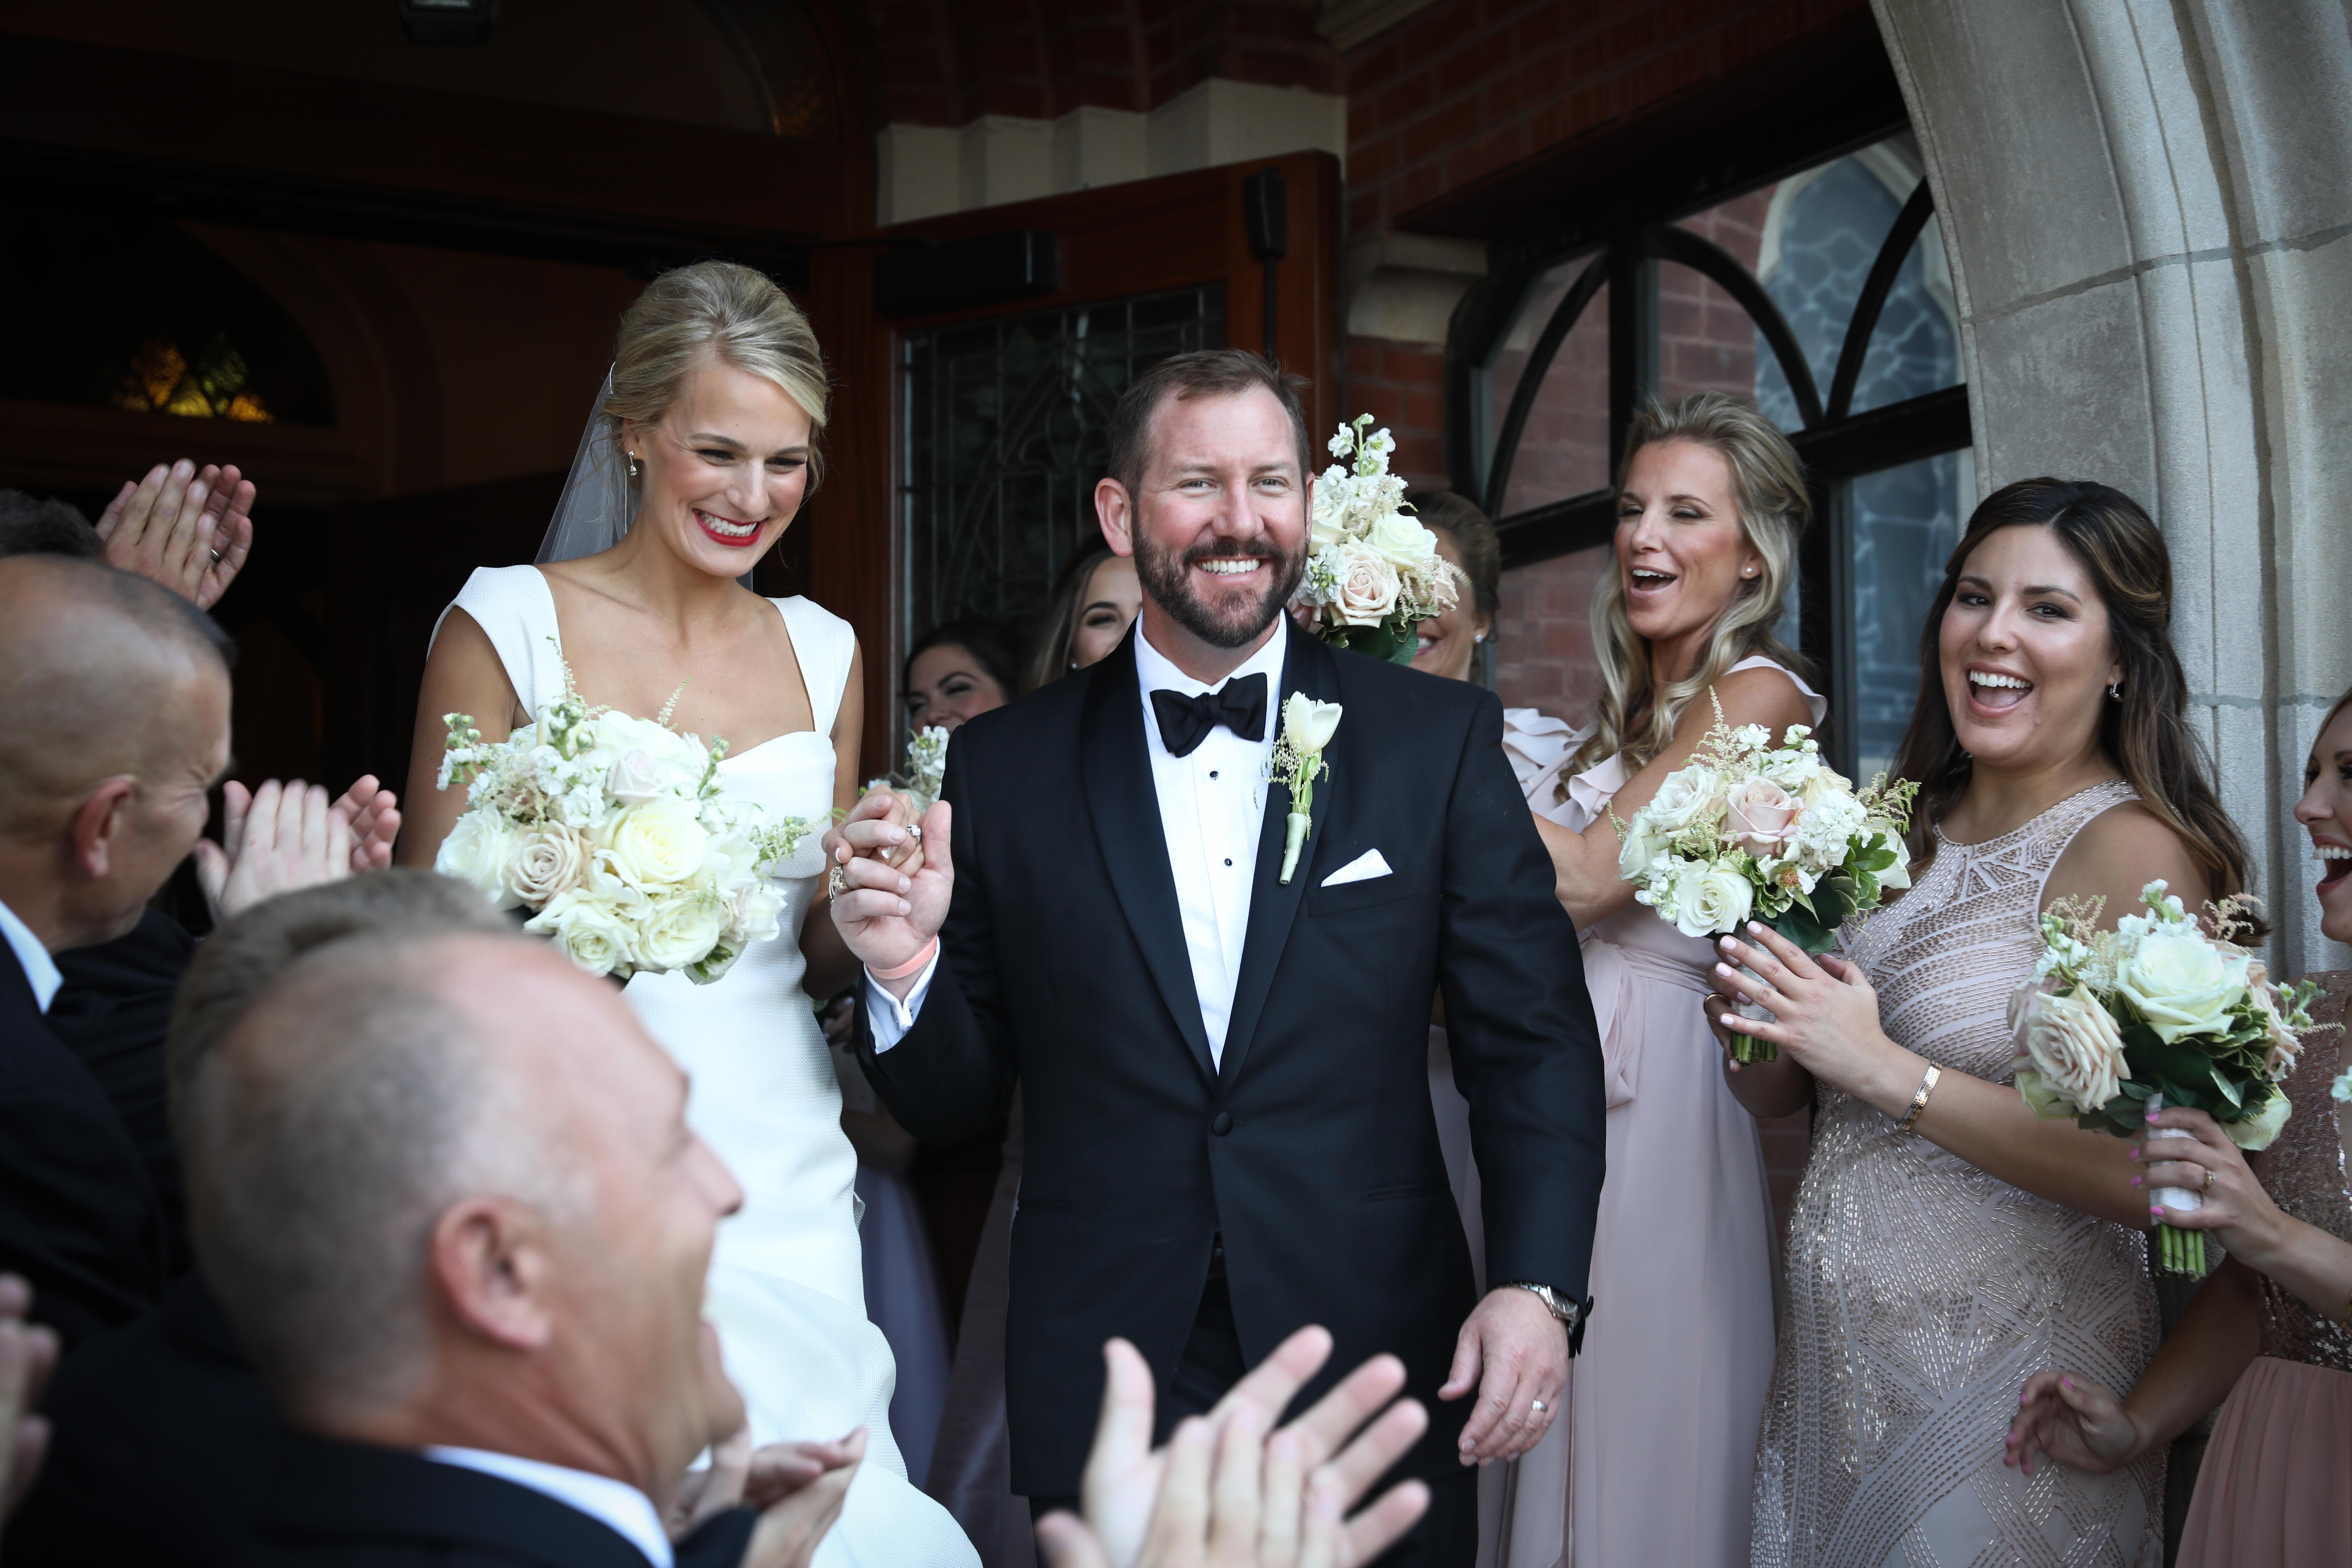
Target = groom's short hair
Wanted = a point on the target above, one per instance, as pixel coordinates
(1204, 373)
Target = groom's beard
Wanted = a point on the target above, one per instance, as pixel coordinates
(1167, 578)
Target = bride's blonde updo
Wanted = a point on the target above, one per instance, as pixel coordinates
(732, 310)
(1767, 485)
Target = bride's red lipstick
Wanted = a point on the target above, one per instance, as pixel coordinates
(735, 541)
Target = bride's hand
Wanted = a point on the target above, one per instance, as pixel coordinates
(1824, 1014)
(882, 804)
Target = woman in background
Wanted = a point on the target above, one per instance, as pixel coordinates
(1093, 604)
(1944, 1241)
(2270, 1330)
(959, 670)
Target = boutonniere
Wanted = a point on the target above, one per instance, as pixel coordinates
(1297, 760)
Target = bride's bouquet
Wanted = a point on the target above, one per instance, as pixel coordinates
(926, 771)
(614, 832)
(1748, 830)
(1375, 573)
(2113, 1026)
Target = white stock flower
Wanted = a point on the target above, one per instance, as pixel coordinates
(2181, 983)
(1307, 724)
(586, 930)
(680, 930)
(476, 852)
(2259, 1129)
(544, 863)
(1710, 899)
(2074, 1046)
(661, 841)
(1368, 586)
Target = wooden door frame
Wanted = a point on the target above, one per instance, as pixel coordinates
(1176, 231)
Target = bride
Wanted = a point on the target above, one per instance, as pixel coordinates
(695, 461)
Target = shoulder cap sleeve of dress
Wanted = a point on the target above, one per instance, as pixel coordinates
(516, 611)
(824, 644)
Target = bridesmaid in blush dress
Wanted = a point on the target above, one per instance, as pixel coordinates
(1945, 1243)
(1654, 1461)
(2272, 1329)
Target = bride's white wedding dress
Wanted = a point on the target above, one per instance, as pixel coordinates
(787, 1291)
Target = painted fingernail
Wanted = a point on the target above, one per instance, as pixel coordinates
(1755, 929)
(1726, 943)
(2067, 1380)
(2135, 1181)
(1725, 969)
(2156, 1209)
(2131, 1153)
(904, 885)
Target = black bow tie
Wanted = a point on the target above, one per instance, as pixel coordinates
(1185, 721)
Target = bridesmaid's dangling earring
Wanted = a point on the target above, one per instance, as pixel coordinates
(2116, 691)
(632, 465)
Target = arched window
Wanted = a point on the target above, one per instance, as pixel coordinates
(137, 316)
(1823, 296)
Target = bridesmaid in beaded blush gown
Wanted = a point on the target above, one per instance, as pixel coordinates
(2272, 1328)
(1945, 1243)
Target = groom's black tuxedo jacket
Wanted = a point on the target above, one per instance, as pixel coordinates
(1313, 1152)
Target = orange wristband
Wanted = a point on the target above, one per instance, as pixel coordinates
(913, 966)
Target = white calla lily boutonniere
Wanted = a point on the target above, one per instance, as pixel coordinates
(1298, 760)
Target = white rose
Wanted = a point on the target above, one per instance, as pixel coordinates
(544, 863)
(1368, 586)
(752, 912)
(586, 930)
(476, 852)
(639, 775)
(2074, 1044)
(659, 842)
(1403, 541)
(1307, 724)
(1681, 797)
(1710, 899)
(2181, 983)
(2258, 1130)
(1640, 847)
(680, 930)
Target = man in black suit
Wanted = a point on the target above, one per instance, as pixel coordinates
(1223, 1072)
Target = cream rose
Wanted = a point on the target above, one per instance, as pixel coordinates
(1710, 900)
(639, 775)
(476, 852)
(1368, 586)
(2259, 1129)
(585, 930)
(1760, 816)
(1403, 541)
(544, 863)
(2181, 983)
(2074, 1044)
(657, 843)
(680, 930)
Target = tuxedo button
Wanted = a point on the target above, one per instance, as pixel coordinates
(1221, 1123)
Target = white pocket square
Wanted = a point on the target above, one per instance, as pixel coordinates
(1363, 869)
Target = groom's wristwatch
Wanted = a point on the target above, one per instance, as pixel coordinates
(1569, 1313)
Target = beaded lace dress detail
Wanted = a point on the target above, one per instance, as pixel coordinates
(1923, 1291)
(2303, 1173)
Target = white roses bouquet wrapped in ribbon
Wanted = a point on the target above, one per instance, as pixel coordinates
(1748, 830)
(2113, 1026)
(614, 832)
(1374, 574)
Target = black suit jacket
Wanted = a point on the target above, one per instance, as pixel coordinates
(1313, 1152)
(160, 1437)
(354, 1506)
(113, 1012)
(77, 1215)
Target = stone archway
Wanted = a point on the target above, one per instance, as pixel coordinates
(2150, 239)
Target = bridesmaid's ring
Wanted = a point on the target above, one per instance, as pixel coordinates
(2210, 1174)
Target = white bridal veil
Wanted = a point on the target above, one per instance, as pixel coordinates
(599, 500)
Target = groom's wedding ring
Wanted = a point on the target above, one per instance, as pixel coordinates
(1539, 1406)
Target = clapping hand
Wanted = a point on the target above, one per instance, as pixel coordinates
(1222, 1494)
(799, 1489)
(886, 915)
(189, 528)
(280, 838)
(26, 1354)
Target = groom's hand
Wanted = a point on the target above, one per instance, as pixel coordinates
(885, 916)
(1515, 1352)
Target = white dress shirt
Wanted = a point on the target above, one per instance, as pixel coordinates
(1212, 810)
(40, 969)
(616, 1503)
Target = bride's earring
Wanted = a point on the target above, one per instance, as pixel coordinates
(632, 465)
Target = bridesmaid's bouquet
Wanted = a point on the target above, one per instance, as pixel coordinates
(2113, 1026)
(1375, 573)
(1748, 830)
(614, 832)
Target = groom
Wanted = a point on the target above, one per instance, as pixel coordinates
(1224, 1076)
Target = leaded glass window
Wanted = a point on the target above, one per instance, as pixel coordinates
(1002, 436)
